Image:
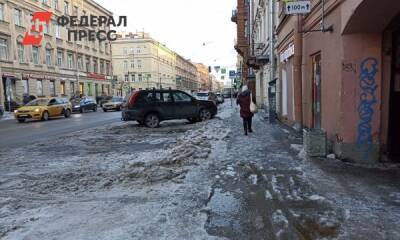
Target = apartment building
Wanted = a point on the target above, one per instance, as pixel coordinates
(141, 62)
(57, 67)
(335, 69)
(186, 74)
(203, 76)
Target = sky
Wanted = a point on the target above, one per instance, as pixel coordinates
(184, 26)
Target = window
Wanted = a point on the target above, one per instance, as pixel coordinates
(25, 86)
(139, 63)
(181, 97)
(17, 17)
(70, 61)
(167, 97)
(57, 29)
(140, 78)
(60, 58)
(55, 4)
(153, 97)
(89, 89)
(3, 49)
(46, 28)
(126, 78)
(133, 78)
(1, 11)
(52, 88)
(35, 55)
(44, 2)
(80, 63)
(39, 87)
(21, 55)
(82, 88)
(108, 68)
(125, 66)
(66, 7)
(88, 64)
(101, 67)
(95, 66)
(132, 64)
(62, 88)
(49, 61)
(72, 88)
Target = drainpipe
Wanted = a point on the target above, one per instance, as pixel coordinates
(297, 70)
(272, 48)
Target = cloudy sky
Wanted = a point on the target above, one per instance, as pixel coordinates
(184, 25)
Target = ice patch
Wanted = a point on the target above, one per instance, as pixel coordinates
(268, 195)
(296, 147)
(316, 198)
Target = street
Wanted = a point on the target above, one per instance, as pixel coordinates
(189, 181)
(14, 134)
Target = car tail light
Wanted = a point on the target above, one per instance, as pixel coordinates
(132, 99)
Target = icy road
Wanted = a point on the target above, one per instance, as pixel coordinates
(191, 181)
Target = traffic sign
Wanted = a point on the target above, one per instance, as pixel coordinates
(232, 74)
(299, 7)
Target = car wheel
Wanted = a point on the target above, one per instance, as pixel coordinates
(21, 120)
(152, 120)
(205, 114)
(67, 113)
(104, 110)
(45, 116)
(95, 109)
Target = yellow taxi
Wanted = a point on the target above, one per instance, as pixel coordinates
(43, 109)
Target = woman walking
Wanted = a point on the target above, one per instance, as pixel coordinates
(244, 100)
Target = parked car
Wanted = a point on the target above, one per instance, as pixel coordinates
(43, 109)
(207, 95)
(103, 99)
(150, 107)
(83, 104)
(114, 104)
(220, 98)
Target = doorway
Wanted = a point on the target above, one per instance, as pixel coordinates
(394, 114)
(316, 82)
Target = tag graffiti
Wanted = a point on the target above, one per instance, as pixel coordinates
(368, 69)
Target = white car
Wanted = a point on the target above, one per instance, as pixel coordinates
(206, 95)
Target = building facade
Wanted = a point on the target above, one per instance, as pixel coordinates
(57, 67)
(336, 70)
(186, 74)
(242, 16)
(141, 62)
(203, 76)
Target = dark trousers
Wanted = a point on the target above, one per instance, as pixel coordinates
(247, 123)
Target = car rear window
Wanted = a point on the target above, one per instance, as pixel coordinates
(202, 94)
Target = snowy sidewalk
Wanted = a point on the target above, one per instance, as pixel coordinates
(7, 116)
(263, 190)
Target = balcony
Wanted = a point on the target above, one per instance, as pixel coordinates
(234, 16)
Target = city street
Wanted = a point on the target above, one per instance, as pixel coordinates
(190, 181)
(15, 134)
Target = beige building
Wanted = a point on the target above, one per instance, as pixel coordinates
(141, 62)
(204, 76)
(58, 67)
(186, 74)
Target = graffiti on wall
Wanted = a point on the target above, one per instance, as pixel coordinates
(368, 72)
